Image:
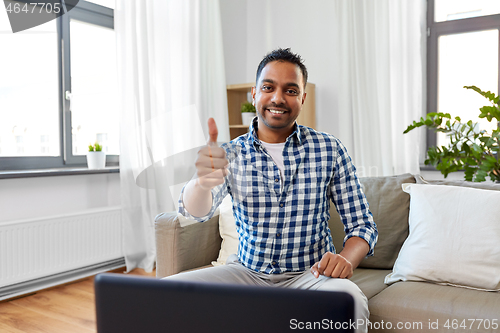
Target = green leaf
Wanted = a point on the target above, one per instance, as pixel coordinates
(490, 112)
(469, 173)
(476, 148)
(489, 95)
(481, 176)
(491, 159)
(466, 148)
(484, 139)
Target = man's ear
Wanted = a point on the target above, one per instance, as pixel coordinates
(304, 98)
(254, 90)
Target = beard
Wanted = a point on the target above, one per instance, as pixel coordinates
(267, 118)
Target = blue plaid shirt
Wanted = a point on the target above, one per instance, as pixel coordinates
(283, 225)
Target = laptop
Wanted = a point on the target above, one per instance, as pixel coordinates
(139, 304)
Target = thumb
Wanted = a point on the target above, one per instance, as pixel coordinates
(212, 131)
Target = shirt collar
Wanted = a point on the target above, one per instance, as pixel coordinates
(252, 130)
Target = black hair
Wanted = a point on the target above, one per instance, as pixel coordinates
(283, 55)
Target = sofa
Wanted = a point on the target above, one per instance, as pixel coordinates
(423, 275)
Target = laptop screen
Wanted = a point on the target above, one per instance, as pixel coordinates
(138, 304)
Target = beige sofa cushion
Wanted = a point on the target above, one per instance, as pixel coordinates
(390, 208)
(451, 241)
(228, 233)
(181, 248)
(370, 281)
(410, 302)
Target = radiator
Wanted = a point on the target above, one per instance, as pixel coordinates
(37, 248)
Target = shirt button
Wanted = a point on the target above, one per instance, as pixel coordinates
(276, 180)
(278, 234)
(273, 263)
(281, 205)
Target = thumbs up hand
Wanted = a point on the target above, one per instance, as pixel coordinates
(211, 163)
(212, 131)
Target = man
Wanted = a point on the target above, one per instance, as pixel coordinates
(281, 177)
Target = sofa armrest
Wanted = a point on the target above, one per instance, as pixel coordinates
(182, 248)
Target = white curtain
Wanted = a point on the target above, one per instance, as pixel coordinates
(171, 80)
(381, 47)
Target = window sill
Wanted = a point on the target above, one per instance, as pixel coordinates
(70, 171)
(424, 167)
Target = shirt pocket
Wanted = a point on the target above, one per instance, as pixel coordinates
(312, 183)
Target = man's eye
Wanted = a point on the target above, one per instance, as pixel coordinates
(291, 91)
(266, 88)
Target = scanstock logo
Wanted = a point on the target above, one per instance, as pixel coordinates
(24, 15)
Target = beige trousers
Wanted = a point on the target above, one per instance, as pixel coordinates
(235, 272)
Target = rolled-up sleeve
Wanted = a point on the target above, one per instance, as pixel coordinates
(350, 201)
(218, 194)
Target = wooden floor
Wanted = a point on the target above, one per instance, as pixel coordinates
(68, 308)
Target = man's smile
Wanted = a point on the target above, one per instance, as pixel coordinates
(276, 111)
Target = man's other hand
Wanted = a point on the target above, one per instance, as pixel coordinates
(333, 265)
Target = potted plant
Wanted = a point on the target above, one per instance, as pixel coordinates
(470, 149)
(247, 113)
(96, 158)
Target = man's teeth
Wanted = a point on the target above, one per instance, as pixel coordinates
(276, 111)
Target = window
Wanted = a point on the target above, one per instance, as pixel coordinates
(462, 50)
(58, 89)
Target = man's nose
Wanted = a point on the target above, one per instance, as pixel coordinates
(278, 97)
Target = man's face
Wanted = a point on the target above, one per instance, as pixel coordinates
(279, 96)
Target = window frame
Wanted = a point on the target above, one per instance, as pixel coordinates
(89, 13)
(434, 31)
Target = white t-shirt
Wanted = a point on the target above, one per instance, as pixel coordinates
(276, 152)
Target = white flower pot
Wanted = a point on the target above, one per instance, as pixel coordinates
(96, 159)
(247, 117)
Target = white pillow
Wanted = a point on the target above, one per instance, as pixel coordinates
(454, 238)
(228, 233)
